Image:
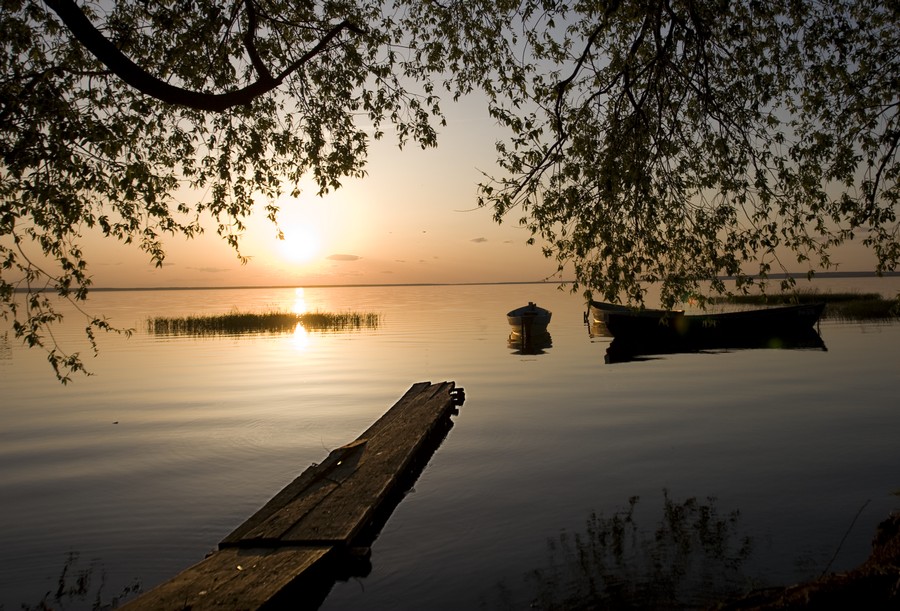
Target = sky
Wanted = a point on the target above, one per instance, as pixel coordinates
(412, 219)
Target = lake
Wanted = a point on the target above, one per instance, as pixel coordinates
(142, 468)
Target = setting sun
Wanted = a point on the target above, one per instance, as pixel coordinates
(300, 244)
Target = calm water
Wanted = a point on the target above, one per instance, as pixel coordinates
(144, 467)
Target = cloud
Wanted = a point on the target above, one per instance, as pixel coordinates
(344, 257)
(479, 240)
(210, 270)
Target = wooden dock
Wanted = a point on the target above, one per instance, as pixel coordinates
(318, 528)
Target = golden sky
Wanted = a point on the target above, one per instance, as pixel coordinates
(412, 219)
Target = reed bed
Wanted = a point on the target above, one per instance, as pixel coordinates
(839, 306)
(237, 323)
(875, 309)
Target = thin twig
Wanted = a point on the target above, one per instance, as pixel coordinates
(846, 534)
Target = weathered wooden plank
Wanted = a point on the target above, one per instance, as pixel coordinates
(316, 475)
(390, 448)
(331, 502)
(233, 578)
(301, 537)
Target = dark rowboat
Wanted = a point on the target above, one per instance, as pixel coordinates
(529, 317)
(787, 326)
(678, 325)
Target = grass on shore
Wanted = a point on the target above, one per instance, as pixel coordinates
(839, 306)
(235, 323)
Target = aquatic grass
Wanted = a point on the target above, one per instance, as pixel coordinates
(237, 323)
(799, 297)
(691, 558)
(847, 306)
(876, 309)
(77, 587)
(339, 322)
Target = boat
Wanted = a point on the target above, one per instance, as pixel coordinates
(599, 310)
(679, 332)
(529, 317)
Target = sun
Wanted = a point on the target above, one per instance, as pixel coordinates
(301, 244)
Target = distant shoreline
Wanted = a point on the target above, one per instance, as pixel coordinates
(99, 289)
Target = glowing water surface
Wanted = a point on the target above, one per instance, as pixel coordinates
(142, 468)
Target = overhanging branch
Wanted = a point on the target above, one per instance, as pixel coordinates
(132, 74)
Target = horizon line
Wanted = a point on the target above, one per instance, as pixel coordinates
(778, 276)
(313, 286)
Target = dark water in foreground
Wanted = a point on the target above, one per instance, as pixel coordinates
(144, 467)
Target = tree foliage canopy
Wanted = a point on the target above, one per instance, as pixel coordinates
(681, 141)
(650, 141)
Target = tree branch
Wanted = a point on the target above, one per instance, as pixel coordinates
(564, 84)
(250, 45)
(132, 74)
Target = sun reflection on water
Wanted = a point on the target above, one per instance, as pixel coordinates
(299, 306)
(301, 338)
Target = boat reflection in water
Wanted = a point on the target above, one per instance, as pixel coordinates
(535, 342)
(623, 350)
